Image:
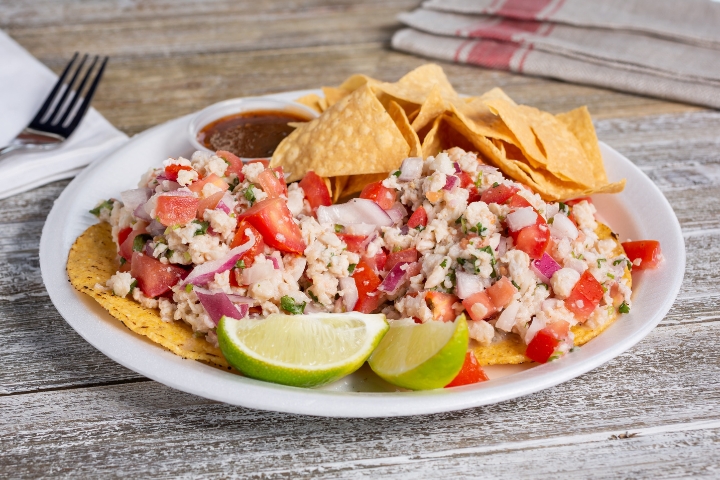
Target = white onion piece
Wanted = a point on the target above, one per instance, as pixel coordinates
(178, 193)
(397, 212)
(350, 293)
(312, 308)
(411, 169)
(487, 169)
(506, 321)
(132, 199)
(361, 229)
(468, 284)
(521, 218)
(563, 227)
(551, 209)
(503, 246)
(258, 272)
(204, 273)
(357, 210)
(536, 325)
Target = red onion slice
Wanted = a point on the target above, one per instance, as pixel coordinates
(350, 293)
(155, 228)
(275, 261)
(132, 199)
(225, 202)
(457, 167)
(204, 273)
(397, 212)
(450, 182)
(357, 210)
(361, 229)
(545, 267)
(411, 169)
(140, 213)
(395, 278)
(218, 305)
(468, 284)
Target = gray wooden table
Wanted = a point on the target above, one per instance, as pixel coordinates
(67, 410)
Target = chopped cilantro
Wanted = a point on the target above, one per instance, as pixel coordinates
(604, 288)
(312, 295)
(544, 285)
(240, 263)
(170, 229)
(555, 356)
(187, 257)
(396, 173)
(611, 275)
(122, 261)
(188, 287)
(234, 183)
(563, 207)
(459, 219)
(351, 267)
(107, 204)
(599, 261)
(479, 229)
(495, 185)
(618, 261)
(515, 284)
(419, 228)
(579, 257)
(461, 261)
(249, 194)
(139, 242)
(624, 308)
(551, 220)
(133, 285)
(478, 182)
(443, 264)
(288, 304)
(339, 228)
(203, 227)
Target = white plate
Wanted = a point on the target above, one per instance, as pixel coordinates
(640, 212)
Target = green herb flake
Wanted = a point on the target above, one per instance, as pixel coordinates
(611, 275)
(133, 285)
(396, 173)
(203, 227)
(551, 220)
(563, 207)
(443, 264)
(351, 267)
(107, 204)
(139, 242)
(495, 185)
(250, 194)
(313, 296)
(554, 356)
(188, 287)
(478, 182)
(515, 284)
(618, 261)
(122, 261)
(288, 304)
(624, 308)
(187, 257)
(240, 264)
(599, 262)
(339, 228)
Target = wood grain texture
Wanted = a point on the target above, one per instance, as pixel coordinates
(67, 410)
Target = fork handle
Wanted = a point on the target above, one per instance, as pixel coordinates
(9, 149)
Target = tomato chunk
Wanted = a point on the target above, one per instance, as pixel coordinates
(575, 201)
(355, 243)
(465, 179)
(123, 234)
(646, 251)
(126, 247)
(272, 218)
(532, 240)
(440, 304)
(208, 203)
(198, 186)
(176, 210)
(499, 194)
(235, 165)
(242, 237)
(154, 277)
(380, 194)
(367, 282)
(419, 218)
(585, 296)
(479, 306)
(316, 191)
(271, 183)
(501, 292)
(542, 346)
(379, 261)
(409, 255)
(518, 201)
(471, 372)
(171, 171)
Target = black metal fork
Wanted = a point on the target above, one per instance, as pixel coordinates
(62, 110)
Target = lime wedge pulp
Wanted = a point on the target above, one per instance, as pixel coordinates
(301, 350)
(421, 356)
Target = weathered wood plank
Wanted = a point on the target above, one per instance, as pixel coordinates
(668, 381)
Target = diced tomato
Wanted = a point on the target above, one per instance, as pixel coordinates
(123, 234)
(471, 372)
(474, 195)
(542, 346)
(499, 194)
(235, 165)
(409, 255)
(273, 220)
(575, 201)
(501, 292)
(212, 178)
(154, 277)
(441, 305)
(235, 277)
(380, 194)
(585, 296)
(379, 261)
(367, 282)
(316, 191)
(176, 210)
(171, 171)
(647, 251)
(419, 218)
(355, 243)
(483, 299)
(271, 184)
(242, 237)
(465, 179)
(264, 161)
(534, 239)
(560, 329)
(518, 201)
(208, 203)
(126, 247)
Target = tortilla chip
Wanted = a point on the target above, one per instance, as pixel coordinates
(415, 87)
(311, 100)
(93, 259)
(433, 106)
(401, 121)
(579, 123)
(354, 136)
(334, 95)
(338, 185)
(511, 350)
(356, 183)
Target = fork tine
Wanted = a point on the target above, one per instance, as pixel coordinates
(59, 105)
(78, 92)
(88, 98)
(48, 101)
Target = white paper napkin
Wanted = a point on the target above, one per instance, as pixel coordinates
(24, 84)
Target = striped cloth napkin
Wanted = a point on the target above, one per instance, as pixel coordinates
(658, 48)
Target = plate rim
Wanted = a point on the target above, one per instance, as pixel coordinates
(202, 380)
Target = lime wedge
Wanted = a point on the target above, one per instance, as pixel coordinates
(300, 350)
(421, 356)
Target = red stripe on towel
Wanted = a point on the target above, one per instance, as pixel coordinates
(525, 9)
(492, 54)
(504, 30)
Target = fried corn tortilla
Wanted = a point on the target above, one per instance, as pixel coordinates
(93, 259)
(511, 350)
